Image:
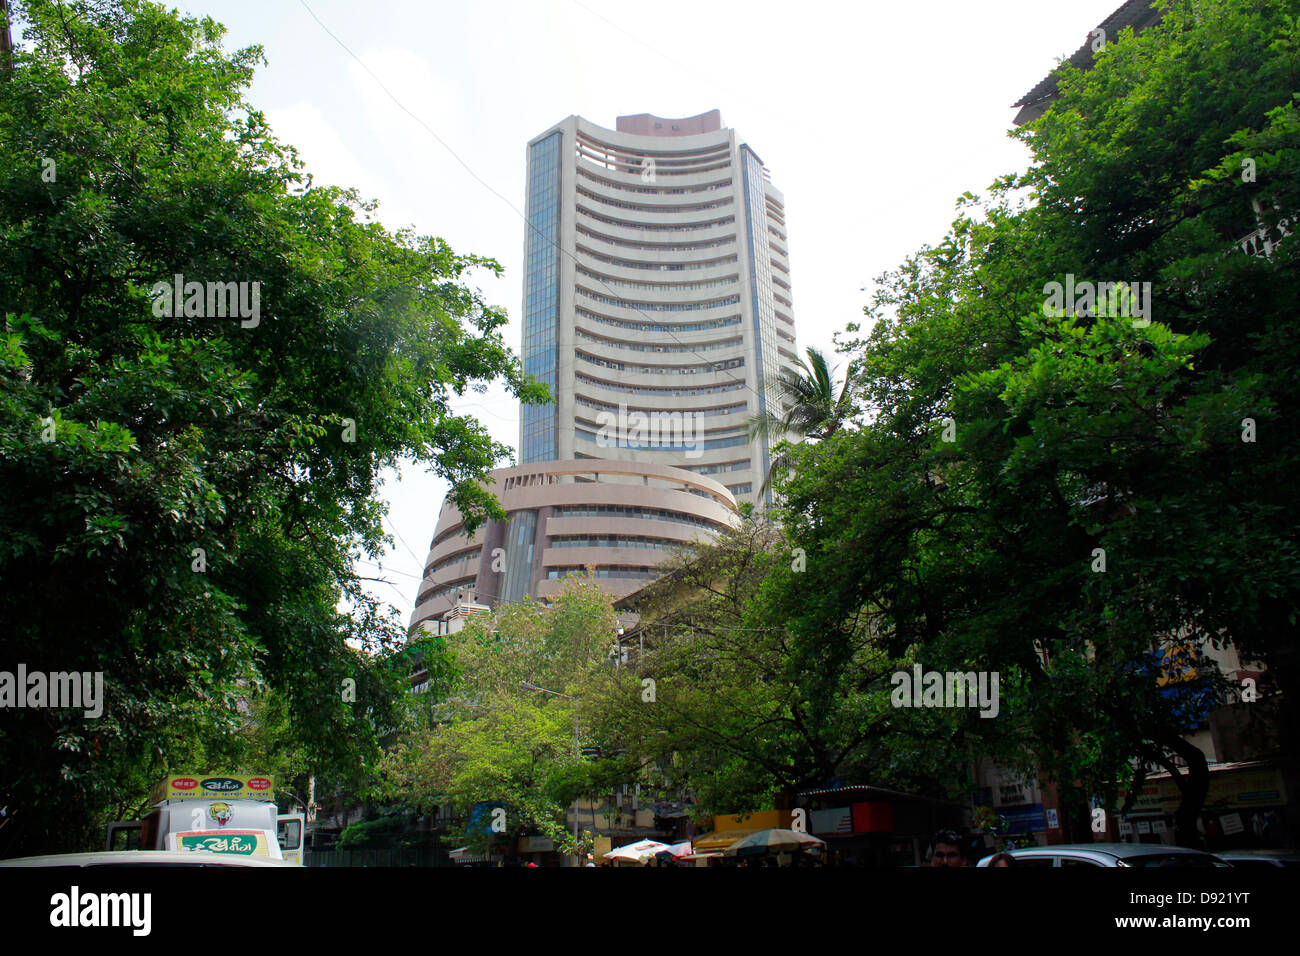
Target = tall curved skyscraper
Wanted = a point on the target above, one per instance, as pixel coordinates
(658, 282)
(657, 308)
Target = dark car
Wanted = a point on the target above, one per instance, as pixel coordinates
(1261, 859)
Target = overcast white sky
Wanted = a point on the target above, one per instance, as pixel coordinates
(873, 118)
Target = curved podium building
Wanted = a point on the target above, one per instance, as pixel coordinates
(620, 518)
(657, 308)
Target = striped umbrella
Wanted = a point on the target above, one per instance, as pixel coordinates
(773, 840)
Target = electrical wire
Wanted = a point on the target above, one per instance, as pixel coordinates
(508, 203)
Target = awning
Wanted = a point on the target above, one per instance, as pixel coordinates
(707, 855)
(718, 841)
(868, 792)
(463, 855)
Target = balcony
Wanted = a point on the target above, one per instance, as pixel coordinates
(1259, 242)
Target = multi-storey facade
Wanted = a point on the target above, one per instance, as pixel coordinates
(657, 308)
(658, 302)
(618, 519)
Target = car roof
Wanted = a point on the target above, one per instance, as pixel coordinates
(1126, 848)
(1110, 849)
(1259, 854)
(142, 858)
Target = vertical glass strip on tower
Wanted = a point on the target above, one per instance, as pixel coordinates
(760, 279)
(519, 556)
(542, 297)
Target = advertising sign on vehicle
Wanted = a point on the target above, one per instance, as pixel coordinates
(241, 842)
(213, 787)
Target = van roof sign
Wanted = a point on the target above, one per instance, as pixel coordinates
(213, 787)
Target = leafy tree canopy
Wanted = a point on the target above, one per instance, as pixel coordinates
(1054, 485)
(182, 495)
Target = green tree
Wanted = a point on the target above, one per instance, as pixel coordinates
(499, 740)
(182, 496)
(810, 408)
(1063, 495)
(743, 721)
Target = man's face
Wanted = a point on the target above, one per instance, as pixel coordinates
(947, 854)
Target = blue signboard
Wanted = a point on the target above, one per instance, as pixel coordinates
(1022, 819)
(480, 816)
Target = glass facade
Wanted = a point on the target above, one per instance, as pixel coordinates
(614, 541)
(520, 534)
(613, 571)
(634, 511)
(665, 444)
(653, 327)
(537, 427)
(659, 389)
(760, 279)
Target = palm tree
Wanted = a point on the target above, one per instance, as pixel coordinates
(806, 392)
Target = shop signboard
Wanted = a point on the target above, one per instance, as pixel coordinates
(834, 822)
(1228, 790)
(759, 820)
(1177, 665)
(1026, 819)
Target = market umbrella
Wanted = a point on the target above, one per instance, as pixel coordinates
(636, 851)
(773, 840)
(675, 852)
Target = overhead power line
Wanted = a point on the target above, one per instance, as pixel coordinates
(486, 185)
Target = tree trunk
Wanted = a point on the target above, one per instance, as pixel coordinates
(1076, 818)
(6, 39)
(1193, 787)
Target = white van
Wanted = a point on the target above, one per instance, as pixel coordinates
(214, 814)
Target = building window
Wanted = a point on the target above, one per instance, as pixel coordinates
(537, 425)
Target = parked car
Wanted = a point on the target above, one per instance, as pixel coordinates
(1142, 855)
(1256, 859)
(144, 858)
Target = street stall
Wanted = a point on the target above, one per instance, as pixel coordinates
(635, 853)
